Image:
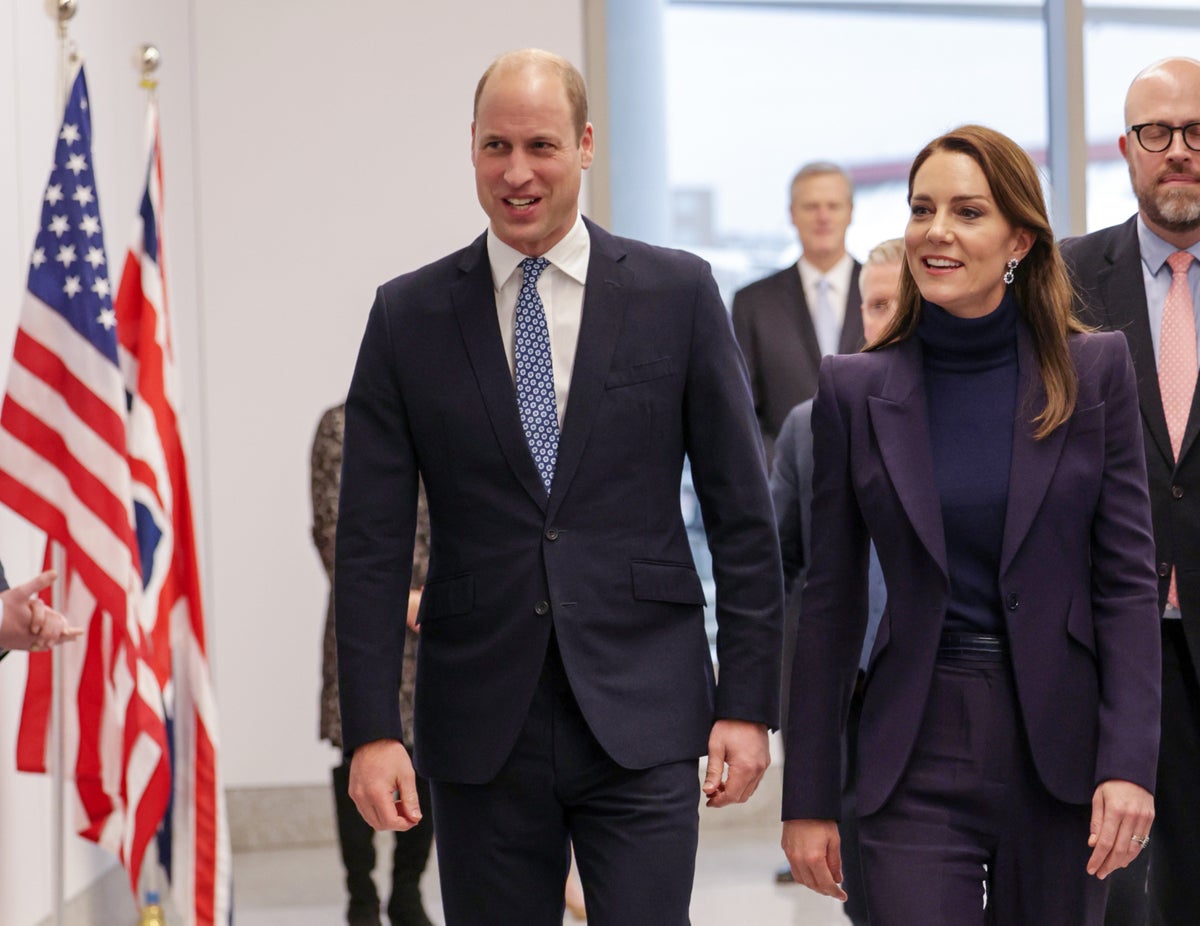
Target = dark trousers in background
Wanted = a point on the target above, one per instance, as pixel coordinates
(356, 840)
(970, 814)
(852, 880)
(503, 847)
(1173, 857)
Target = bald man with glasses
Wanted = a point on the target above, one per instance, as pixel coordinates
(1143, 277)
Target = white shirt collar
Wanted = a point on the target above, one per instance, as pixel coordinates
(570, 255)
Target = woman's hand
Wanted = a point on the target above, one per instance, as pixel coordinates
(814, 850)
(1122, 813)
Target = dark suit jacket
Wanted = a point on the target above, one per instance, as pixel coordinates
(1107, 271)
(775, 332)
(1076, 578)
(604, 560)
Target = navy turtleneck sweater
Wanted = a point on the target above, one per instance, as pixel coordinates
(971, 389)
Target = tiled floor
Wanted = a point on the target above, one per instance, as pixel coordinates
(734, 886)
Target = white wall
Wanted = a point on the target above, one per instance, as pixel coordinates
(312, 150)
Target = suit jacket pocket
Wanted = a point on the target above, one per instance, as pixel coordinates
(639, 373)
(673, 582)
(450, 597)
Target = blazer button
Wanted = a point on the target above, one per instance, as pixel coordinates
(1013, 601)
(552, 534)
(1177, 491)
(1164, 569)
(541, 608)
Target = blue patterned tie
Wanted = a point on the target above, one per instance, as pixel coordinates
(535, 372)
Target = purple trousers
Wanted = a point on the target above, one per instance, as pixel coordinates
(971, 837)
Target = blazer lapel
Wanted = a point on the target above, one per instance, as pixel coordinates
(474, 301)
(1122, 291)
(852, 330)
(799, 315)
(598, 332)
(900, 419)
(1033, 461)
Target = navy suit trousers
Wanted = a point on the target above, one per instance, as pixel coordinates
(504, 847)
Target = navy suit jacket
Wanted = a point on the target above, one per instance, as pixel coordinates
(604, 559)
(775, 331)
(1076, 578)
(1107, 270)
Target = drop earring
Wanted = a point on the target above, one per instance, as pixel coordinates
(1008, 274)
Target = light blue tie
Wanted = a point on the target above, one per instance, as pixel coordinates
(535, 372)
(824, 320)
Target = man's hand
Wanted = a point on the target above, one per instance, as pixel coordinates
(414, 608)
(814, 850)
(1121, 810)
(378, 770)
(741, 747)
(28, 623)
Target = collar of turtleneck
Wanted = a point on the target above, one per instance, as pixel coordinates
(966, 344)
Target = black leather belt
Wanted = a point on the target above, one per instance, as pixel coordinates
(973, 647)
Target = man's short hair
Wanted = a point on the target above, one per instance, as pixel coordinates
(567, 73)
(886, 252)
(820, 169)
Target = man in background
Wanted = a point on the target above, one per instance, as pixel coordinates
(791, 490)
(787, 322)
(1143, 278)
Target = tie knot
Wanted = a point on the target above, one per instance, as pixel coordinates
(532, 267)
(823, 284)
(1179, 262)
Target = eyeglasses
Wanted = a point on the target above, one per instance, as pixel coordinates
(1156, 137)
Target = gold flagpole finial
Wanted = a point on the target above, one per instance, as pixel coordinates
(148, 59)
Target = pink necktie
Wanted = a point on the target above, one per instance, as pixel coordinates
(1177, 362)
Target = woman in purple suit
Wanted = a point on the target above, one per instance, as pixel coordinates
(992, 450)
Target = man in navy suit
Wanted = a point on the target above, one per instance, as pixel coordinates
(546, 382)
(1123, 275)
(788, 321)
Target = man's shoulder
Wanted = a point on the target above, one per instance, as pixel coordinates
(642, 255)
(439, 272)
(768, 286)
(1094, 245)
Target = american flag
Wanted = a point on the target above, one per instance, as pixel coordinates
(66, 469)
(194, 840)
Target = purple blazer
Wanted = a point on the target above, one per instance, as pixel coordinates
(1077, 579)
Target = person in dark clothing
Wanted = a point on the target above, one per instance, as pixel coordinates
(991, 449)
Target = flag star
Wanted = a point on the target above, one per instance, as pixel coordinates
(90, 224)
(70, 134)
(100, 287)
(54, 194)
(59, 225)
(66, 255)
(83, 195)
(108, 318)
(76, 164)
(72, 287)
(83, 104)
(95, 257)
(39, 257)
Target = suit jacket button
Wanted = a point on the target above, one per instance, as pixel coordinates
(541, 608)
(552, 534)
(1177, 491)
(1164, 569)
(1014, 601)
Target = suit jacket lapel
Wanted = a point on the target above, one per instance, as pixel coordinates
(598, 332)
(474, 301)
(900, 419)
(1122, 292)
(851, 341)
(1033, 461)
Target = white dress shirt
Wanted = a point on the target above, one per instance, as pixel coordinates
(561, 288)
(839, 286)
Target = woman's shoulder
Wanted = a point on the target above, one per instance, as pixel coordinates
(1098, 346)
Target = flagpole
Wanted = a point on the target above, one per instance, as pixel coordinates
(64, 11)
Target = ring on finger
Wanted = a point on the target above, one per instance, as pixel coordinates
(1142, 841)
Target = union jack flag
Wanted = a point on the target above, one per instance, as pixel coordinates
(66, 469)
(194, 840)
